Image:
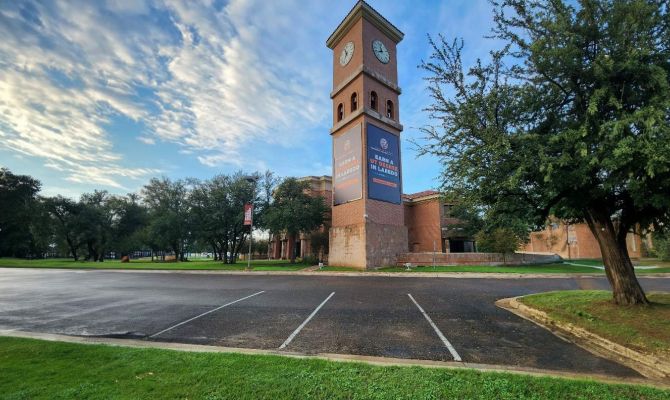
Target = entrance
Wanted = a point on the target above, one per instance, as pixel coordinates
(461, 246)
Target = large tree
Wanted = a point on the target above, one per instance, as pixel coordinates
(294, 211)
(96, 219)
(129, 218)
(169, 214)
(18, 200)
(569, 119)
(65, 215)
(217, 208)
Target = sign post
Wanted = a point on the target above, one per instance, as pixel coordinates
(249, 220)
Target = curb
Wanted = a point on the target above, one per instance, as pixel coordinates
(351, 358)
(647, 365)
(455, 275)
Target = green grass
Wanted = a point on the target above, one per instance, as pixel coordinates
(518, 269)
(645, 328)
(33, 369)
(655, 262)
(558, 268)
(340, 269)
(282, 265)
(256, 265)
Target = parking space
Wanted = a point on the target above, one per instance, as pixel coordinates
(374, 323)
(262, 322)
(412, 318)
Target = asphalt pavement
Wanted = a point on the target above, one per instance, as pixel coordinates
(442, 319)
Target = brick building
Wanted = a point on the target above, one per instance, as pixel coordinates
(431, 226)
(426, 217)
(281, 248)
(571, 241)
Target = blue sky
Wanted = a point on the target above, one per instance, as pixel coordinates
(107, 94)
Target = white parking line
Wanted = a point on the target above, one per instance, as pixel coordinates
(205, 313)
(451, 348)
(298, 329)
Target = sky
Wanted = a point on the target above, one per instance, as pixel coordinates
(107, 94)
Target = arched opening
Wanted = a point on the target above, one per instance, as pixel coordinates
(389, 109)
(373, 100)
(354, 101)
(340, 112)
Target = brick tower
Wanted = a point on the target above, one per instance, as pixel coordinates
(368, 229)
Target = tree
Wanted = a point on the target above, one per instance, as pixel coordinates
(267, 185)
(169, 214)
(66, 216)
(576, 127)
(661, 246)
(498, 240)
(18, 200)
(294, 211)
(130, 218)
(96, 217)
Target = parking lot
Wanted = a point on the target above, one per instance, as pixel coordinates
(414, 318)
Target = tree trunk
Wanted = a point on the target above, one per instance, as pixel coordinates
(73, 248)
(626, 289)
(238, 247)
(90, 256)
(291, 246)
(224, 251)
(175, 250)
(215, 250)
(232, 248)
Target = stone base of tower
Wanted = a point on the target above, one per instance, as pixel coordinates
(367, 246)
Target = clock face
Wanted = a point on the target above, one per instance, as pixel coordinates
(347, 53)
(380, 51)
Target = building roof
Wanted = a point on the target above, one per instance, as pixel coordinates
(316, 178)
(363, 9)
(422, 194)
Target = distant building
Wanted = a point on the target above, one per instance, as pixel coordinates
(426, 215)
(572, 241)
(281, 247)
(431, 226)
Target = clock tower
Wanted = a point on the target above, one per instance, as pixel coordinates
(368, 229)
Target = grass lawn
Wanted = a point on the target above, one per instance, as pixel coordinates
(517, 269)
(645, 328)
(34, 369)
(256, 265)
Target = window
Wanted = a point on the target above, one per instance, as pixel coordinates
(447, 210)
(389, 109)
(373, 100)
(354, 102)
(340, 112)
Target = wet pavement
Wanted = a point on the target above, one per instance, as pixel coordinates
(373, 316)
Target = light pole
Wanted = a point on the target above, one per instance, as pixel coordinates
(251, 179)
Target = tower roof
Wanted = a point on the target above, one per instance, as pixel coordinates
(363, 10)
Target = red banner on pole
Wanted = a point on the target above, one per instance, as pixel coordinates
(248, 213)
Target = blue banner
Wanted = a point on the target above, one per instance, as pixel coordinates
(383, 165)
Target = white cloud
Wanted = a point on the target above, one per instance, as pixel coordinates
(146, 140)
(210, 79)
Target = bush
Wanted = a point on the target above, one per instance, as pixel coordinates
(310, 260)
(499, 240)
(661, 246)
